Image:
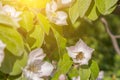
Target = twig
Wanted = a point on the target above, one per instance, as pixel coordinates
(113, 37)
(117, 36)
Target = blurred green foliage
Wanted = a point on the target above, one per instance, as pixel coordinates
(36, 31)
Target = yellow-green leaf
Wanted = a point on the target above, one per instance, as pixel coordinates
(13, 65)
(106, 6)
(83, 6)
(12, 39)
(27, 21)
(79, 8)
(63, 66)
(19, 64)
(84, 73)
(93, 12)
(6, 20)
(94, 70)
(38, 35)
(44, 23)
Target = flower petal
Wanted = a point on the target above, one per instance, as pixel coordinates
(46, 69)
(100, 76)
(56, 17)
(66, 1)
(76, 78)
(82, 48)
(30, 75)
(51, 7)
(37, 78)
(62, 77)
(70, 52)
(10, 11)
(36, 55)
(17, 14)
(61, 18)
(2, 47)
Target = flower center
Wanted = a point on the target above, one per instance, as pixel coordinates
(80, 56)
(33, 68)
(54, 14)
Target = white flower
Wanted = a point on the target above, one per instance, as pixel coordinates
(46, 69)
(62, 77)
(36, 55)
(51, 7)
(66, 1)
(56, 17)
(100, 76)
(36, 69)
(76, 78)
(10, 11)
(80, 53)
(2, 47)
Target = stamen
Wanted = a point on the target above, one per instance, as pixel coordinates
(32, 68)
(80, 56)
(54, 14)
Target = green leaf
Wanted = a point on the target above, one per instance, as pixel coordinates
(16, 78)
(63, 67)
(84, 73)
(38, 35)
(27, 21)
(93, 13)
(19, 64)
(2, 76)
(12, 39)
(6, 20)
(74, 72)
(79, 8)
(74, 12)
(61, 42)
(83, 6)
(13, 65)
(94, 70)
(106, 6)
(44, 23)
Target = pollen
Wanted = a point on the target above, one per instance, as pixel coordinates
(33, 68)
(80, 56)
(54, 14)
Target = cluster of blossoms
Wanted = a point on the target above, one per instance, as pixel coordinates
(10, 11)
(36, 68)
(80, 54)
(54, 15)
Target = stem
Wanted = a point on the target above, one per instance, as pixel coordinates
(113, 37)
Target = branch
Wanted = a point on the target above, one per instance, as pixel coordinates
(113, 37)
(117, 36)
